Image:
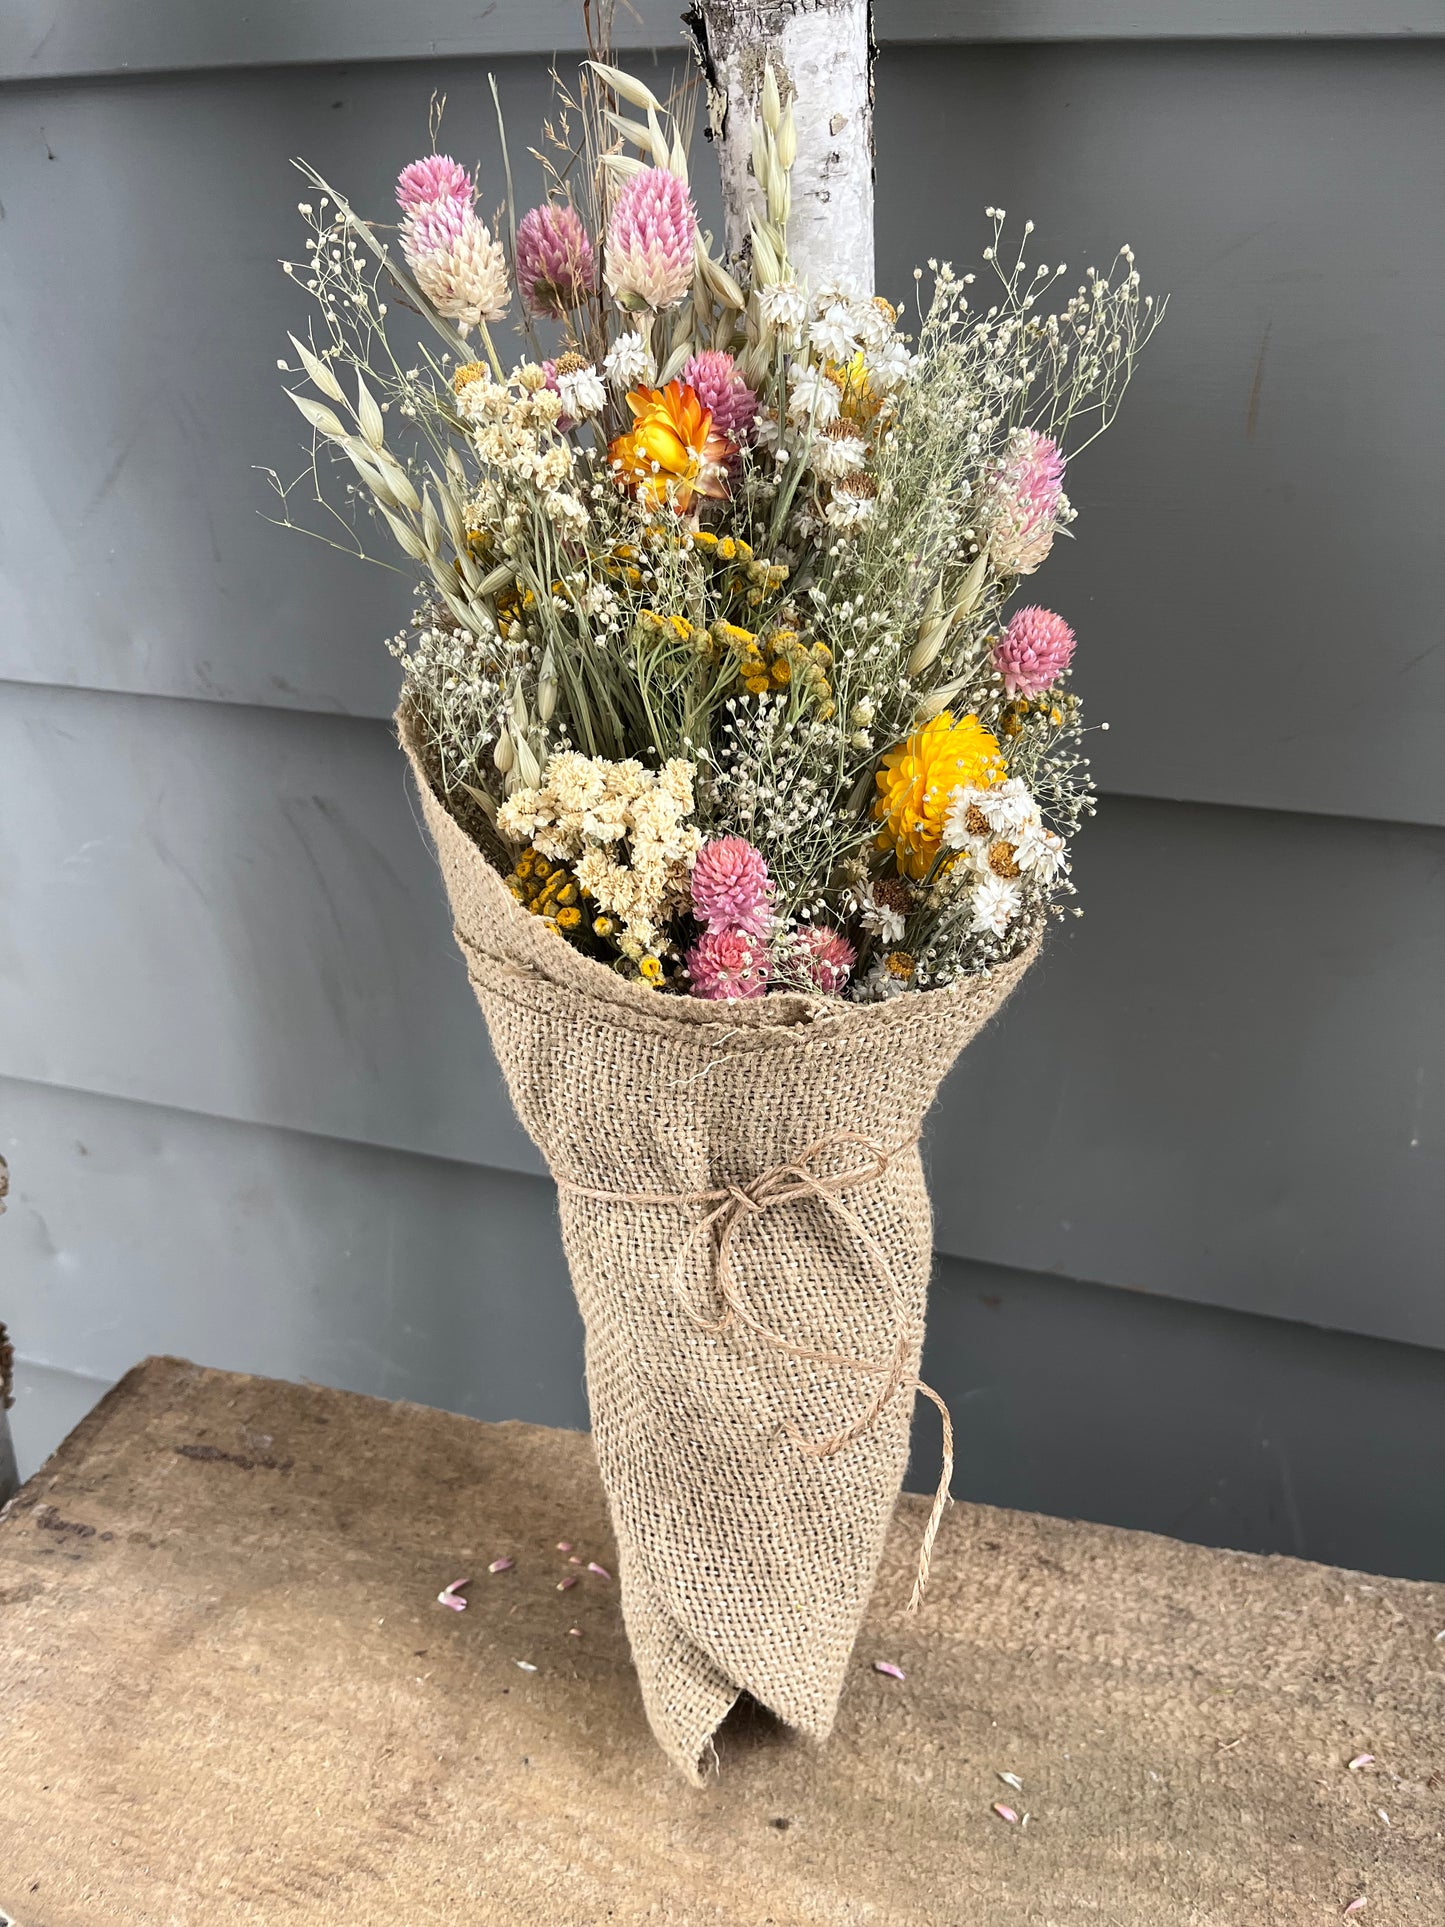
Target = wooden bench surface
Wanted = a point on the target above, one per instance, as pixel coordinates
(228, 1694)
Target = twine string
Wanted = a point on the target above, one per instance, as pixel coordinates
(730, 1207)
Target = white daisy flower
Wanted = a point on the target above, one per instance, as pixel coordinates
(832, 334)
(996, 902)
(890, 366)
(628, 361)
(1009, 807)
(966, 823)
(889, 977)
(812, 398)
(582, 392)
(1040, 853)
(848, 508)
(872, 325)
(781, 305)
(877, 915)
(832, 455)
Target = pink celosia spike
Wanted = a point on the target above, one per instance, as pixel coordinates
(1023, 502)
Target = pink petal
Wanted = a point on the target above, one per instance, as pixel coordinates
(501, 1565)
(564, 1545)
(574, 1632)
(601, 1571)
(448, 1596)
(1005, 1813)
(570, 1580)
(1361, 1759)
(887, 1666)
(1357, 1905)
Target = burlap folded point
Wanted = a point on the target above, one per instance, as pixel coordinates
(749, 1235)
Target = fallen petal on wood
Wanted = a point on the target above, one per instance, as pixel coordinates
(501, 1565)
(564, 1584)
(1013, 1780)
(887, 1666)
(1357, 1905)
(448, 1596)
(1005, 1813)
(1361, 1759)
(526, 1665)
(601, 1571)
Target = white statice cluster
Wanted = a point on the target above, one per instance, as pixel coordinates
(1008, 854)
(625, 831)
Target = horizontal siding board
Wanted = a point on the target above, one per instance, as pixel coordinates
(235, 911)
(55, 38)
(1225, 1084)
(133, 1229)
(1242, 549)
(1209, 1425)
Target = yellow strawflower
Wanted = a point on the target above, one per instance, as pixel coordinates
(919, 777)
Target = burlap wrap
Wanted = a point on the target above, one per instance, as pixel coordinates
(747, 1553)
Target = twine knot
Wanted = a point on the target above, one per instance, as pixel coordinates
(726, 1210)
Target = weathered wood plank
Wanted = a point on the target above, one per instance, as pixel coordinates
(275, 1553)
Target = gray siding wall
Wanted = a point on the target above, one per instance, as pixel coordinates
(1189, 1188)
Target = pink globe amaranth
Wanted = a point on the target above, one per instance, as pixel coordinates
(437, 178)
(714, 378)
(434, 227)
(1034, 651)
(726, 964)
(1028, 492)
(556, 268)
(458, 265)
(825, 957)
(731, 889)
(651, 241)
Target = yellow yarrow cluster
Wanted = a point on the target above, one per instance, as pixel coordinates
(918, 778)
(747, 576)
(549, 890)
(780, 660)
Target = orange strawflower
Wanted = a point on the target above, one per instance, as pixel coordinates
(671, 454)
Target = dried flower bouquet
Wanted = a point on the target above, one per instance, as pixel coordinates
(751, 795)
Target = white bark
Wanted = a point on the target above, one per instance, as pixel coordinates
(820, 52)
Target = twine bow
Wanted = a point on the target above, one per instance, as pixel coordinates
(732, 1206)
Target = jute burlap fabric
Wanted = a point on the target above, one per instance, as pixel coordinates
(749, 1234)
